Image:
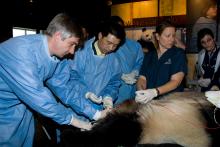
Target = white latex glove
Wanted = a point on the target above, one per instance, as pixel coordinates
(80, 124)
(213, 97)
(101, 114)
(214, 88)
(130, 78)
(144, 96)
(204, 82)
(107, 102)
(94, 98)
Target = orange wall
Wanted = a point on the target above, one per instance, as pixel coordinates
(145, 9)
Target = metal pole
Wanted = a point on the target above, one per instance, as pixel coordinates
(158, 12)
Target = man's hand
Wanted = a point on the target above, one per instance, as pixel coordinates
(144, 96)
(94, 98)
(107, 102)
(80, 124)
(204, 82)
(101, 114)
(130, 78)
(214, 88)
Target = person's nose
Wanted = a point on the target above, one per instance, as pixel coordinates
(72, 50)
(172, 39)
(112, 47)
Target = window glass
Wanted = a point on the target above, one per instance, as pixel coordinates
(23, 31)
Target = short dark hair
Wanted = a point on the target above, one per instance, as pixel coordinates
(201, 34)
(113, 28)
(163, 25)
(117, 19)
(160, 28)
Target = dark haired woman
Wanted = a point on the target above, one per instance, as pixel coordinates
(163, 69)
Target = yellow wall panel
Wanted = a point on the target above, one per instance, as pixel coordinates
(179, 7)
(172, 7)
(123, 10)
(145, 9)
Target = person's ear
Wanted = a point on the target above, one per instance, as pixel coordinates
(57, 36)
(157, 36)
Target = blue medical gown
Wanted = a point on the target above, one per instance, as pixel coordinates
(130, 56)
(24, 64)
(87, 72)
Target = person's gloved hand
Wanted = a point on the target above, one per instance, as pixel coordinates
(94, 98)
(130, 78)
(204, 82)
(144, 96)
(80, 124)
(101, 114)
(107, 102)
(214, 88)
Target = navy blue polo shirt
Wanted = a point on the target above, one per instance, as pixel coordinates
(159, 71)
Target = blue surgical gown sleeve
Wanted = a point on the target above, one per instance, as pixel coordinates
(131, 56)
(22, 76)
(139, 56)
(66, 84)
(112, 88)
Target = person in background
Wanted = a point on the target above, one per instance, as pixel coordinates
(208, 60)
(130, 56)
(89, 83)
(145, 42)
(207, 20)
(85, 31)
(163, 69)
(26, 62)
(179, 44)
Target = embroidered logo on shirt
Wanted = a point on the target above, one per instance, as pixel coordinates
(168, 61)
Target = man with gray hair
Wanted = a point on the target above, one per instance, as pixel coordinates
(26, 62)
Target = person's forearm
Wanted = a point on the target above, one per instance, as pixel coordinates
(141, 83)
(169, 86)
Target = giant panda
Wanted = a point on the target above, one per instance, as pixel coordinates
(178, 119)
